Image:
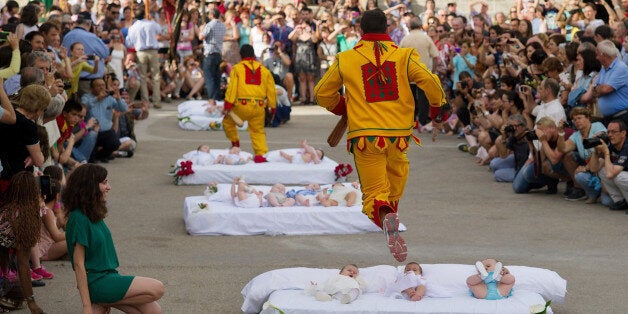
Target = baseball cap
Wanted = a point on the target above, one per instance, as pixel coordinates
(83, 16)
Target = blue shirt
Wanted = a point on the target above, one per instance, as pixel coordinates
(102, 109)
(92, 45)
(143, 35)
(620, 158)
(585, 154)
(616, 75)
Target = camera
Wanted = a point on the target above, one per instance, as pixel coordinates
(464, 84)
(531, 135)
(67, 85)
(44, 185)
(91, 57)
(510, 130)
(595, 141)
(110, 93)
(271, 49)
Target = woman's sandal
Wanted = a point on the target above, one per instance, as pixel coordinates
(395, 242)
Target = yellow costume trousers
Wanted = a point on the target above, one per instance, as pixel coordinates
(382, 165)
(251, 111)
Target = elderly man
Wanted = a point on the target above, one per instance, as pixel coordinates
(611, 86)
(610, 161)
(550, 103)
(92, 46)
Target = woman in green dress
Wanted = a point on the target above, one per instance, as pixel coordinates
(92, 252)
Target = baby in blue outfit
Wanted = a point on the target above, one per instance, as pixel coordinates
(306, 196)
(493, 281)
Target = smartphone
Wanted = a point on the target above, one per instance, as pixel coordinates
(457, 49)
(3, 36)
(91, 57)
(67, 85)
(44, 185)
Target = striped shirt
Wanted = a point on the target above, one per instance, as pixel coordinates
(214, 32)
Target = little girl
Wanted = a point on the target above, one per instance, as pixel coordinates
(245, 195)
(347, 286)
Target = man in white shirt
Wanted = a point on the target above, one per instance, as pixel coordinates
(426, 48)
(550, 104)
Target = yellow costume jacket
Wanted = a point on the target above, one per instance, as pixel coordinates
(377, 76)
(250, 83)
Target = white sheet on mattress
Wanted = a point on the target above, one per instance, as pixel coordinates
(221, 217)
(193, 116)
(297, 302)
(274, 171)
(443, 281)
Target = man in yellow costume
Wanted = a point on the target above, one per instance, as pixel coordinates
(379, 107)
(251, 90)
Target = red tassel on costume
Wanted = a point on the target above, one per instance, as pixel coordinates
(259, 159)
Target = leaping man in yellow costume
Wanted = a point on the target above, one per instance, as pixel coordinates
(379, 107)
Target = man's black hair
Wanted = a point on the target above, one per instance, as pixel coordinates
(374, 21)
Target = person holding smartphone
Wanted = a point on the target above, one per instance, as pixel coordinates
(79, 64)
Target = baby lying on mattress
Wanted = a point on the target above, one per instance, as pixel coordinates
(204, 157)
(347, 286)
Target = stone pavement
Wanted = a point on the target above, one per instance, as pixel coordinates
(455, 213)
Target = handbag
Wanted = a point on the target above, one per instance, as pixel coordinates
(573, 99)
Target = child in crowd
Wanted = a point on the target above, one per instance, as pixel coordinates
(56, 174)
(277, 196)
(307, 196)
(306, 155)
(493, 281)
(233, 158)
(244, 195)
(347, 286)
(410, 285)
(51, 243)
(340, 195)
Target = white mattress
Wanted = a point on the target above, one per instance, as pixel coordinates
(221, 217)
(275, 171)
(194, 116)
(446, 292)
(296, 301)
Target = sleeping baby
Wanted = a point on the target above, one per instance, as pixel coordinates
(201, 157)
(347, 286)
(233, 157)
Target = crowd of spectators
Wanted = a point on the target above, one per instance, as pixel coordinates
(539, 93)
